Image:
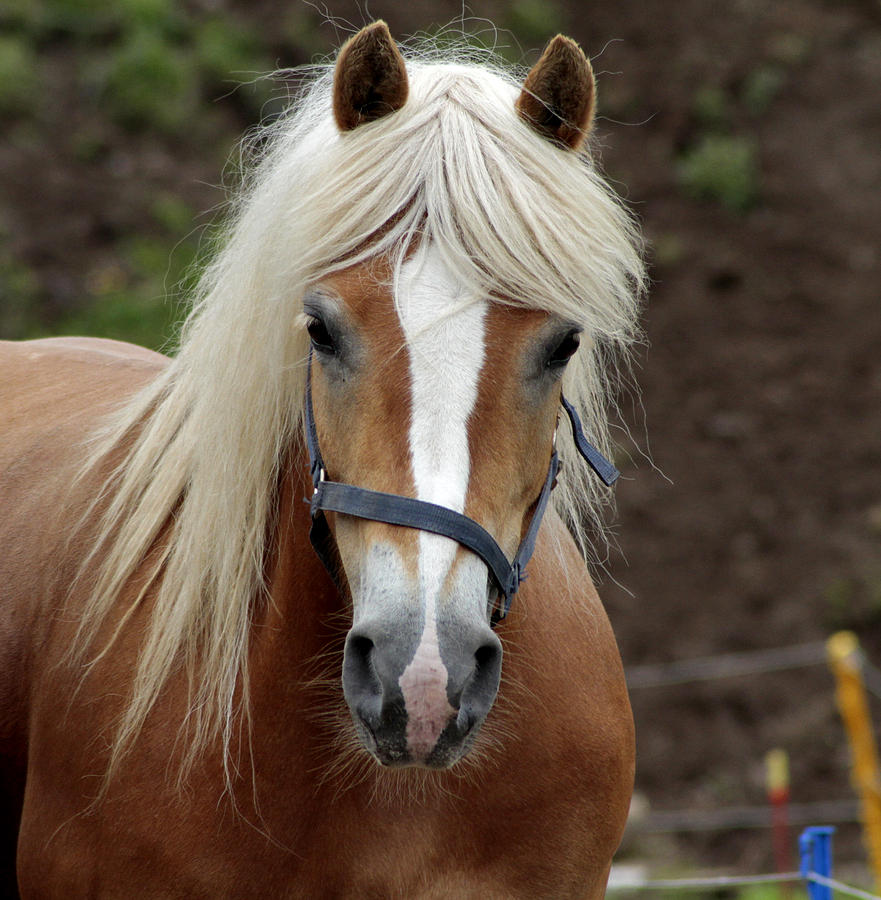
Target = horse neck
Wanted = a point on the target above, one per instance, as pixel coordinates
(305, 613)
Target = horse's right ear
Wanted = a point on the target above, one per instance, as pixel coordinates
(370, 80)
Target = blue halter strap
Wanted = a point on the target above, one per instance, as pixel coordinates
(334, 496)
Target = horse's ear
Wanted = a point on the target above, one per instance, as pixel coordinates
(370, 80)
(558, 95)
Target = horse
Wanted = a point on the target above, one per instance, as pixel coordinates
(421, 267)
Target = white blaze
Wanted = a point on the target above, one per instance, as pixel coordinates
(446, 356)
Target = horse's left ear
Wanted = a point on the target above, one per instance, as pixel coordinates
(558, 95)
(370, 79)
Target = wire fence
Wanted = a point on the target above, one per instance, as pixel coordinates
(734, 817)
(733, 881)
(855, 676)
(730, 665)
(715, 881)
(751, 662)
(815, 852)
(839, 887)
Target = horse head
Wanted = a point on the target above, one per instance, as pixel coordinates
(425, 388)
(434, 231)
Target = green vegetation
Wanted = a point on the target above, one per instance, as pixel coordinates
(667, 249)
(534, 21)
(224, 49)
(90, 21)
(19, 76)
(148, 321)
(722, 168)
(18, 13)
(134, 297)
(761, 88)
(712, 107)
(151, 83)
(300, 28)
(721, 162)
(136, 70)
(172, 214)
(769, 892)
(721, 165)
(19, 295)
(151, 13)
(149, 62)
(231, 58)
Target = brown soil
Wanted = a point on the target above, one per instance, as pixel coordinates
(758, 524)
(761, 389)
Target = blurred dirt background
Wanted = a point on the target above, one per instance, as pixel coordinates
(747, 138)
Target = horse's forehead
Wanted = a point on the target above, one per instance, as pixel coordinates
(367, 291)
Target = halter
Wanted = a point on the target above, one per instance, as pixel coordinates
(334, 496)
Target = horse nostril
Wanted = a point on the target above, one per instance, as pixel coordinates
(362, 685)
(486, 657)
(480, 689)
(359, 657)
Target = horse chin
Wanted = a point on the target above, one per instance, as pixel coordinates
(436, 761)
(391, 750)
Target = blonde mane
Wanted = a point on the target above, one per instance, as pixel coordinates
(517, 218)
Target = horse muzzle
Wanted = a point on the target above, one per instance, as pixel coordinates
(420, 702)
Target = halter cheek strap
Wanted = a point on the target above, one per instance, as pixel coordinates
(333, 496)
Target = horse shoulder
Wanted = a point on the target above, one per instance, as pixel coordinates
(53, 394)
(59, 388)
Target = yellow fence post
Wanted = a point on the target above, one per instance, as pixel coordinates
(846, 662)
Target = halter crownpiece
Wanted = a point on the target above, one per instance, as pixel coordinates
(394, 509)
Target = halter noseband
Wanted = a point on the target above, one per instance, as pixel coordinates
(333, 496)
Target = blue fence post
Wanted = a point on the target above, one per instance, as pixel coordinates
(815, 851)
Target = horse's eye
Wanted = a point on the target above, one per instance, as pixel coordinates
(562, 353)
(322, 339)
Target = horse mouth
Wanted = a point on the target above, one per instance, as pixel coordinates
(389, 745)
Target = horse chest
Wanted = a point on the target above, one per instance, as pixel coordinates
(173, 851)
